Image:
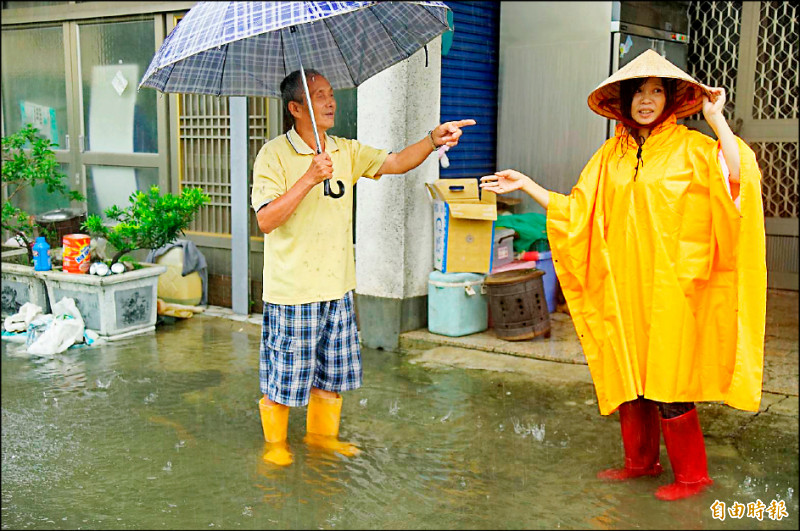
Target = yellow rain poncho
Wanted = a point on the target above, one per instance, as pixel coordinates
(665, 278)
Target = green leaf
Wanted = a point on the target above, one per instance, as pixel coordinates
(28, 161)
(150, 220)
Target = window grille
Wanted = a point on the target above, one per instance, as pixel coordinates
(204, 155)
(776, 62)
(714, 47)
(775, 97)
(713, 59)
(778, 163)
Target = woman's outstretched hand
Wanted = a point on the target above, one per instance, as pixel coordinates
(504, 181)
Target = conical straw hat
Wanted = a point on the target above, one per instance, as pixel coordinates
(605, 100)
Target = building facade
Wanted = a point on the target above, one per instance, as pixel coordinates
(72, 68)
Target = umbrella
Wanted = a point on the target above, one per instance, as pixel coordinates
(247, 48)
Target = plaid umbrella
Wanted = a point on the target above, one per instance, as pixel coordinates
(247, 48)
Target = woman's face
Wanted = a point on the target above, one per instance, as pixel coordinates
(648, 101)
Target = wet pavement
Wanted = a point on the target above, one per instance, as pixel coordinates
(780, 343)
(161, 431)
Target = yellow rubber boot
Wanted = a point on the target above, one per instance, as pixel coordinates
(322, 425)
(275, 422)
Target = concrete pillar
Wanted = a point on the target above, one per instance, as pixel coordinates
(394, 228)
(240, 211)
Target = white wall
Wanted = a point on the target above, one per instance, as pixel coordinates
(552, 55)
(394, 217)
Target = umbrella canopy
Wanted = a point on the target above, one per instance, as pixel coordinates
(247, 48)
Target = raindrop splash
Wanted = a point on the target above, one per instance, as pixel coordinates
(537, 431)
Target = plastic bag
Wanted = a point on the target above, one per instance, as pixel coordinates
(63, 332)
(532, 230)
(66, 306)
(54, 333)
(19, 321)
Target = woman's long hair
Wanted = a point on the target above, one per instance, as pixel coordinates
(627, 88)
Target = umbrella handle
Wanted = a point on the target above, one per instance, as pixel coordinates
(327, 186)
(328, 191)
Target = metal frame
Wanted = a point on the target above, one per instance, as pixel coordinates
(239, 238)
(86, 10)
(240, 207)
(752, 129)
(74, 154)
(762, 135)
(80, 156)
(781, 232)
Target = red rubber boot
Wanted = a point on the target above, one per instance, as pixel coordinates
(638, 420)
(687, 453)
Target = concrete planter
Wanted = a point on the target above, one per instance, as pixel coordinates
(21, 284)
(14, 255)
(116, 306)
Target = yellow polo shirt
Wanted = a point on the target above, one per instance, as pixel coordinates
(310, 257)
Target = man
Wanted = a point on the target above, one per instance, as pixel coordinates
(309, 350)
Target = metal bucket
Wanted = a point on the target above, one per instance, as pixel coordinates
(60, 223)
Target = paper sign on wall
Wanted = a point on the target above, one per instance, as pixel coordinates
(119, 83)
(41, 117)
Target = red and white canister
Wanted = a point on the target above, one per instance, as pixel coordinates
(76, 253)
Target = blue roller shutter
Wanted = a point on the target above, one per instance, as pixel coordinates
(469, 87)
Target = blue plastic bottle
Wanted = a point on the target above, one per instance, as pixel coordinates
(41, 255)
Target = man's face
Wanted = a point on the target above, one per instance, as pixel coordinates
(322, 100)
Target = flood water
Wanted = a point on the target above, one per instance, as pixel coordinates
(162, 432)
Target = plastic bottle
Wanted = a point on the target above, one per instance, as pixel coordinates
(41, 255)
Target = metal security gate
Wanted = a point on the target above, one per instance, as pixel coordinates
(751, 49)
(202, 145)
(469, 87)
(203, 136)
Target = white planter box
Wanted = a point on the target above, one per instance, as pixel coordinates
(15, 255)
(22, 284)
(115, 306)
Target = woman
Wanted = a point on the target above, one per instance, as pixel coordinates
(660, 253)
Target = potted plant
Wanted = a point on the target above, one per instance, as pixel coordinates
(28, 161)
(124, 304)
(151, 220)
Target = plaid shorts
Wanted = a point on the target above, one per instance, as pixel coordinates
(305, 345)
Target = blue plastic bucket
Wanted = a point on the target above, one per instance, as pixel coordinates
(457, 304)
(545, 263)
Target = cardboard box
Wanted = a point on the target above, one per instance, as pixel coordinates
(463, 219)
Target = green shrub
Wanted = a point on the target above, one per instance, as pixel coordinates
(25, 168)
(150, 221)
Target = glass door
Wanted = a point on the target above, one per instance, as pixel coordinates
(35, 90)
(77, 84)
(119, 127)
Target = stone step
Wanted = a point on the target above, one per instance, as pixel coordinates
(562, 346)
